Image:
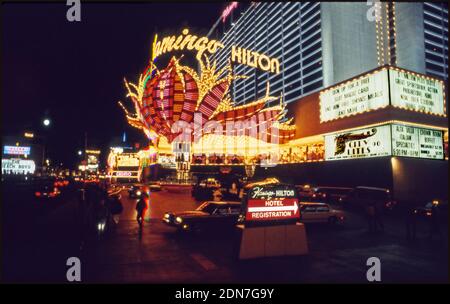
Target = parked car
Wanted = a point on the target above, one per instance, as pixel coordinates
(205, 188)
(313, 212)
(426, 211)
(134, 191)
(154, 187)
(208, 214)
(331, 194)
(361, 196)
(305, 192)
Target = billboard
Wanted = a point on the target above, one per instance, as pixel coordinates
(362, 143)
(272, 203)
(16, 150)
(391, 139)
(411, 141)
(125, 174)
(18, 166)
(379, 89)
(367, 93)
(415, 92)
(431, 144)
(405, 141)
(127, 160)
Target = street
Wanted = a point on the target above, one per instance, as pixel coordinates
(337, 254)
(36, 249)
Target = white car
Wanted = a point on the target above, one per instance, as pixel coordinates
(320, 213)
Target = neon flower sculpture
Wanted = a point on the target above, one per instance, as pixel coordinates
(168, 102)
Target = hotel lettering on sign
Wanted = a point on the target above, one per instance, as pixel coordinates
(272, 204)
(255, 60)
(205, 46)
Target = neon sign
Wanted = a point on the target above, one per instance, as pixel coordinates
(184, 41)
(254, 59)
(227, 11)
(16, 150)
(204, 44)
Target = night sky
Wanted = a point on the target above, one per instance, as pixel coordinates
(72, 72)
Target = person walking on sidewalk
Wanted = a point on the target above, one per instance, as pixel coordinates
(142, 206)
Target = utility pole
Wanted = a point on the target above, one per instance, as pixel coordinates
(85, 155)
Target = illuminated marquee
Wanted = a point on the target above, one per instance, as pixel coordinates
(127, 160)
(409, 141)
(18, 166)
(416, 92)
(363, 143)
(16, 150)
(381, 88)
(386, 140)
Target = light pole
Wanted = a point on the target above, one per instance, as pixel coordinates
(46, 122)
(85, 155)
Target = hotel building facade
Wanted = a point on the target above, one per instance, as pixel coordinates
(368, 95)
(321, 44)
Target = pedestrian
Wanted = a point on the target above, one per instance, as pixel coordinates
(411, 224)
(140, 209)
(146, 196)
(370, 214)
(142, 205)
(378, 217)
(435, 227)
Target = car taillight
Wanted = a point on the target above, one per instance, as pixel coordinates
(37, 194)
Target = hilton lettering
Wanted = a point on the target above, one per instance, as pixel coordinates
(254, 59)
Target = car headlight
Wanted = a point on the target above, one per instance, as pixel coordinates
(138, 192)
(179, 219)
(166, 215)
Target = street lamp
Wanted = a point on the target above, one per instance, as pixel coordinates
(80, 152)
(46, 122)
